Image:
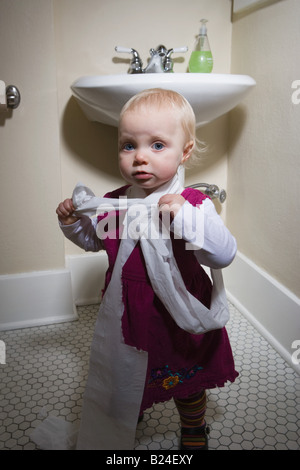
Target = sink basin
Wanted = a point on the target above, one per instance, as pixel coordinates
(211, 95)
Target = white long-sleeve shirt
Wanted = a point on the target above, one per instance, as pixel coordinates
(200, 226)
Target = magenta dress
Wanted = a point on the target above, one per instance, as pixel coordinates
(179, 363)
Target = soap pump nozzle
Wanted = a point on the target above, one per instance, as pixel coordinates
(203, 35)
(203, 29)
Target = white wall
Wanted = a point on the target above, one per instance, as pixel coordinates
(263, 165)
(263, 175)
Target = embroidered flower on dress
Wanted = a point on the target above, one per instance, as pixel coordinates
(164, 377)
(170, 382)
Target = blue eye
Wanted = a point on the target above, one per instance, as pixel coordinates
(158, 146)
(128, 147)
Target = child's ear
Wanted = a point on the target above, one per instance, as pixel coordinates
(187, 150)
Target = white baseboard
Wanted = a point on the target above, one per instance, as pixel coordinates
(34, 299)
(271, 308)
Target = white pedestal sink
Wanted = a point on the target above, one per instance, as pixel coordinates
(211, 95)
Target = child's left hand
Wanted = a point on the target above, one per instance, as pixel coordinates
(171, 203)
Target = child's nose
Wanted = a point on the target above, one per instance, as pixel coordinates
(140, 156)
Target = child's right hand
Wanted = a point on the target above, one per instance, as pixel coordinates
(64, 211)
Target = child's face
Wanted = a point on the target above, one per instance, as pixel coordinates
(152, 145)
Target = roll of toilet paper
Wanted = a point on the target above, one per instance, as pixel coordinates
(3, 101)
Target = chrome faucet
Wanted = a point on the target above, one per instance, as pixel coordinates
(160, 61)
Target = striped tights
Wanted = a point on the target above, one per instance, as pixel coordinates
(192, 411)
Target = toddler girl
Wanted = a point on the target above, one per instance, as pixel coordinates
(156, 136)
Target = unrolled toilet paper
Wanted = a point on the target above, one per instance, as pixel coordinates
(3, 102)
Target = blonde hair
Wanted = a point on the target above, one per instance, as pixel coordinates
(159, 97)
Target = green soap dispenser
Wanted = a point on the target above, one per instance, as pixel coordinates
(201, 58)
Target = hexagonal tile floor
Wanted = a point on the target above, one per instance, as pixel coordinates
(46, 371)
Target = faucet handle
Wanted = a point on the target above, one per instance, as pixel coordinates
(136, 63)
(180, 49)
(123, 49)
(168, 63)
